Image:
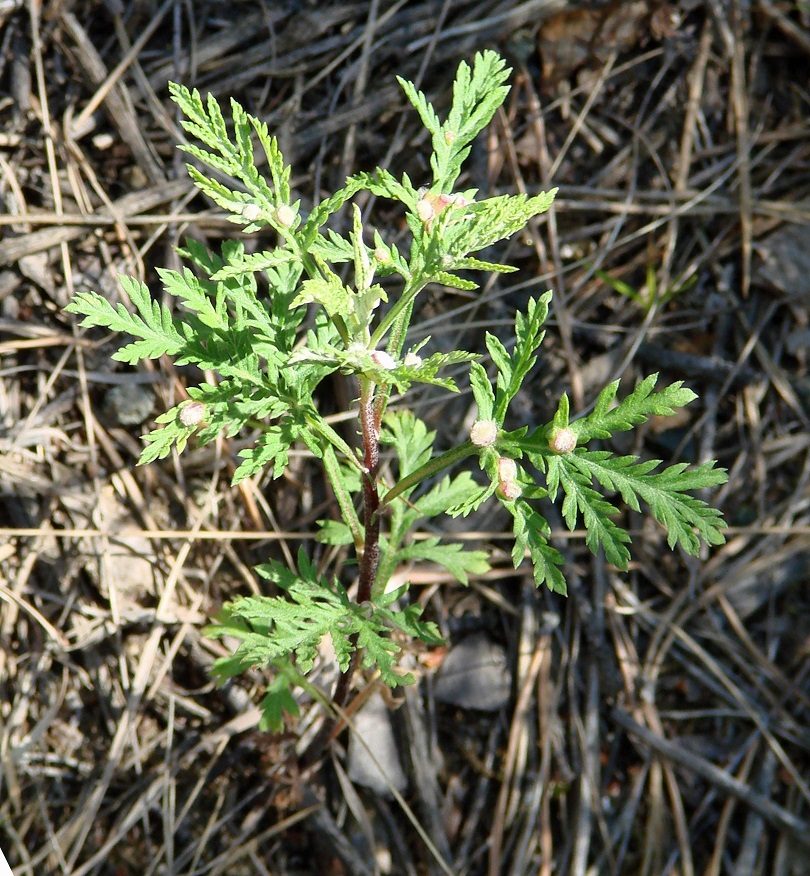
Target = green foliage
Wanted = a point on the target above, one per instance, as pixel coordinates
(286, 631)
(271, 325)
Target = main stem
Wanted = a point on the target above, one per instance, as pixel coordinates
(370, 556)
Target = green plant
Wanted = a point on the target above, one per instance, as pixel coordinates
(272, 346)
(649, 294)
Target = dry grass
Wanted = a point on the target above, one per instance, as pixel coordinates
(659, 719)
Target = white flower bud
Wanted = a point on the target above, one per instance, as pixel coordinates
(412, 360)
(285, 215)
(484, 433)
(510, 490)
(251, 212)
(563, 440)
(425, 210)
(507, 469)
(383, 360)
(192, 413)
(382, 255)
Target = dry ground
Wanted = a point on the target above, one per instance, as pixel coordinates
(659, 722)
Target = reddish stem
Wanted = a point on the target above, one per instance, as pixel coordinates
(370, 557)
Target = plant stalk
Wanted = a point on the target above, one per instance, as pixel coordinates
(370, 556)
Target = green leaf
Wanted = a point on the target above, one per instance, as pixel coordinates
(344, 482)
(460, 563)
(278, 702)
(157, 332)
(385, 185)
(496, 219)
(473, 502)
(270, 629)
(250, 263)
(334, 532)
(194, 295)
(512, 370)
(477, 94)
(665, 492)
(411, 439)
(448, 493)
(596, 511)
(637, 408)
(326, 208)
(482, 391)
(171, 435)
(531, 532)
(273, 446)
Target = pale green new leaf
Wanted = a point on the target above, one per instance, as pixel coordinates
(495, 219)
(472, 264)
(453, 282)
(327, 291)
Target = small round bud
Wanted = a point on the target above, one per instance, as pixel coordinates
(507, 469)
(484, 433)
(412, 360)
(563, 440)
(382, 255)
(285, 215)
(425, 209)
(449, 137)
(383, 360)
(509, 490)
(192, 413)
(251, 212)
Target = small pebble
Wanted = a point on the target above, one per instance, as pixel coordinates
(129, 403)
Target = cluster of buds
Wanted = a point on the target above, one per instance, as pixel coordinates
(284, 214)
(430, 206)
